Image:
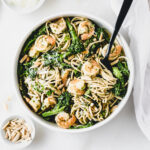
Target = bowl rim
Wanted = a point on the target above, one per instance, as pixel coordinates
(17, 145)
(121, 40)
(28, 11)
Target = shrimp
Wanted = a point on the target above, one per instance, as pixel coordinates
(63, 120)
(86, 30)
(23, 58)
(59, 26)
(91, 68)
(76, 87)
(116, 52)
(44, 43)
(33, 52)
(113, 108)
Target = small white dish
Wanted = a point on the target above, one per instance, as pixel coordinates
(21, 145)
(21, 8)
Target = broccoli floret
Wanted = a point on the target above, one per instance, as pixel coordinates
(121, 72)
(76, 45)
(117, 72)
(48, 93)
(123, 68)
(27, 71)
(117, 89)
(63, 104)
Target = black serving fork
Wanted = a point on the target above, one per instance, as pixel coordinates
(122, 14)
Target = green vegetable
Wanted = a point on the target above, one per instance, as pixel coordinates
(119, 86)
(88, 92)
(122, 73)
(63, 104)
(106, 36)
(123, 68)
(77, 73)
(31, 72)
(93, 49)
(67, 37)
(82, 126)
(117, 72)
(29, 64)
(119, 89)
(20, 70)
(103, 113)
(76, 45)
(88, 41)
(48, 93)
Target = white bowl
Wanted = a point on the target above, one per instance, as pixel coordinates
(23, 10)
(10, 144)
(121, 40)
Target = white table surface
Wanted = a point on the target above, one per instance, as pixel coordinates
(122, 133)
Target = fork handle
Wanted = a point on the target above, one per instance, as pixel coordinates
(122, 14)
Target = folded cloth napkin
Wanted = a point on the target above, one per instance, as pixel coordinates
(139, 32)
(137, 24)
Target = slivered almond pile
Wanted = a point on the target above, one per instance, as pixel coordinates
(17, 130)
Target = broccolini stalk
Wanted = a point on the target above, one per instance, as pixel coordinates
(123, 68)
(117, 72)
(71, 30)
(76, 45)
(63, 104)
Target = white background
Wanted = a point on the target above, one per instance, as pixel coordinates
(122, 133)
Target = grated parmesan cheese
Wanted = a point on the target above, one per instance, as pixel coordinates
(23, 3)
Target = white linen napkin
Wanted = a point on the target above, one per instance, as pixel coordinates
(137, 24)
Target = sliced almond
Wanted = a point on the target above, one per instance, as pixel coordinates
(17, 130)
(23, 58)
(4, 127)
(16, 138)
